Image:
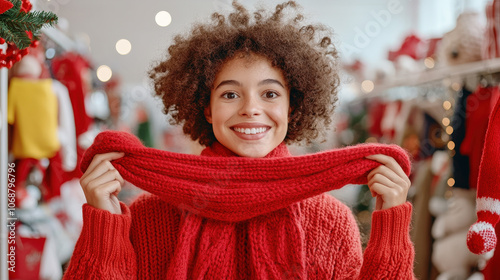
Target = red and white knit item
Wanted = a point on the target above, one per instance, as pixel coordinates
(481, 237)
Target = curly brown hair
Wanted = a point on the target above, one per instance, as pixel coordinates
(304, 53)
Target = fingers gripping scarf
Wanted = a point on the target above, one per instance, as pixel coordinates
(218, 191)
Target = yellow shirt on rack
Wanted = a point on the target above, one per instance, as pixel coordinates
(32, 109)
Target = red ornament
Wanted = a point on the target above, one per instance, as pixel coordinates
(2, 41)
(12, 55)
(26, 6)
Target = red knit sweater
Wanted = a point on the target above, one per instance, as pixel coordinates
(220, 217)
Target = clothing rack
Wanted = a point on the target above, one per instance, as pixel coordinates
(482, 67)
(66, 44)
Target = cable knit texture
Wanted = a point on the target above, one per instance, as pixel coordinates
(219, 216)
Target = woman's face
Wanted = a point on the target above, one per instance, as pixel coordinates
(249, 106)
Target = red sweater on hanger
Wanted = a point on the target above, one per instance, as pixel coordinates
(218, 216)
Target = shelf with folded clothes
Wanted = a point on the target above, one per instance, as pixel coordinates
(477, 68)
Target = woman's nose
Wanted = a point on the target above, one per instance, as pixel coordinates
(250, 107)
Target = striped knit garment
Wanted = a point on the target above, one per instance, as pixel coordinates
(481, 237)
(217, 192)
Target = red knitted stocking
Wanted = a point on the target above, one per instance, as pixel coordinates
(481, 237)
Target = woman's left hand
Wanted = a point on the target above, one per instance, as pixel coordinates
(388, 182)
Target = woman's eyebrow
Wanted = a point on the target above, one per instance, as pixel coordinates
(228, 82)
(271, 81)
(236, 83)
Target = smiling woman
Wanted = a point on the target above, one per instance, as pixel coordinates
(243, 86)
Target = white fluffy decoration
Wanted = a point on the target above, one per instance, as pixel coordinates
(462, 44)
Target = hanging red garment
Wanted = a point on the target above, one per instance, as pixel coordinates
(70, 69)
(376, 113)
(491, 46)
(388, 122)
(478, 109)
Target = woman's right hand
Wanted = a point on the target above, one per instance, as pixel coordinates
(101, 183)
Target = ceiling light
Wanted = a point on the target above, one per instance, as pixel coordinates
(104, 73)
(123, 46)
(163, 18)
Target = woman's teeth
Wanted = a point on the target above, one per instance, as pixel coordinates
(250, 130)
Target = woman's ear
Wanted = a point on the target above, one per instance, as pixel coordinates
(208, 114)
(290, 110)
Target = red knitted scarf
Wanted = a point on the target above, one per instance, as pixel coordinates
(221, 192)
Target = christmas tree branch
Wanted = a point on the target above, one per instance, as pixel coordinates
(14, 24)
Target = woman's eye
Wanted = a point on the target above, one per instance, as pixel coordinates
(270, 94)
(229, 95)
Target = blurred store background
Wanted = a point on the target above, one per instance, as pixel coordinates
(415, 73)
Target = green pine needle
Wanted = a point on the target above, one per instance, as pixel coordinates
(6, 33)
(16, 9)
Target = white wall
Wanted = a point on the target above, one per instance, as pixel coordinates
(365, 29)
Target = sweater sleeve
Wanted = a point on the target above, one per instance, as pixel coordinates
(389, 253)
(103, 250)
